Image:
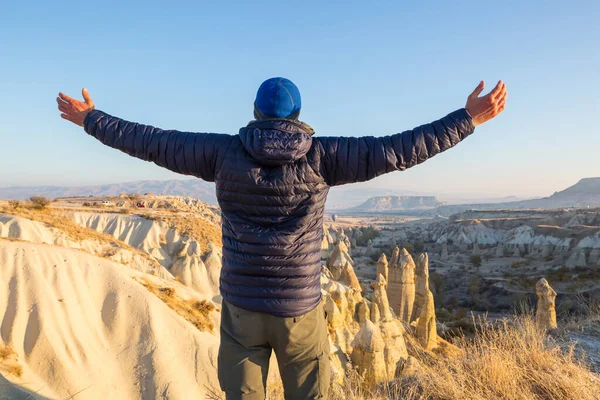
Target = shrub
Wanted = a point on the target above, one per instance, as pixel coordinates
(476, 260)
(419, 247)
(548, 258)
(368, 233)
(409, 247)
(134, 196)
(39, 202)
(14, 204)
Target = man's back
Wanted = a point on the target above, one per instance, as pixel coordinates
(272, 198)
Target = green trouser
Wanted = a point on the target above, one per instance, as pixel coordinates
(301, 345)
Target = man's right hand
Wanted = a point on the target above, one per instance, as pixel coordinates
(75, 110)
(484, 108)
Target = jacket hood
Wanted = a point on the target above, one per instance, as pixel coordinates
(276, 141)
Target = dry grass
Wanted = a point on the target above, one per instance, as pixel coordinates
(55, 218)
(8, 361)
(512, 360)
(195, 312)
(197, 228)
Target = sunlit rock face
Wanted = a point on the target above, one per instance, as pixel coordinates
(401, 286)
(421, 285)
(382, 267)
(426, 325)
(391, 330)
(368, 348)
(546, 311)
(444, 256)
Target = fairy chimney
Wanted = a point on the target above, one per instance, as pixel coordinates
(546, 313)
(421, 285)
(401, 286)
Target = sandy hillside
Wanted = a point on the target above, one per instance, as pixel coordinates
(106, 306)
(78, 322)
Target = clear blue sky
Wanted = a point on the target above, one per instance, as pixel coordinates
(363, 68)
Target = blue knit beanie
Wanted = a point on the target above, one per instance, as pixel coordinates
(277, 98)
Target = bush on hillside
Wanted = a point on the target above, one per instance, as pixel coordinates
(39, 202)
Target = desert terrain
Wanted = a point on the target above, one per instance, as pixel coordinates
(117, 297)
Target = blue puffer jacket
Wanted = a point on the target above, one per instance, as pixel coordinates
(272, 182)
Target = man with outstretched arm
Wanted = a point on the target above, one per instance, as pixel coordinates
(272, 181)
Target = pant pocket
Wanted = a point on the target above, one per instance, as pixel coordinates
(323, 375)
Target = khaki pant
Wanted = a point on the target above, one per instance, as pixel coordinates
(301, 345)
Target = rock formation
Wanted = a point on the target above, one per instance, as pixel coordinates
(517, 252)
(339, 332)
(426, 326)
(401, 286)
(338, 258)
(476, 250)
(337, 363)
(370, 250)
(394, 258)
(500, 250)
(348, 278)
(352, 300)
(594, 255)
(325, 247)
(421, 285)
(213, 263)
(189, 269)
(382, 267)
(444, 256)
(342, 237)
(375, 314)
(577, 259)
(368, 348)
(547, 250)
(391, 330)
(546, 313)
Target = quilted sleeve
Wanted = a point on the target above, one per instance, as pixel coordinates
(186, 153)
(348, 159)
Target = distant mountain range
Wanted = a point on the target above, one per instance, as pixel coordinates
(584, 193)
(196, 188)
(397, 203)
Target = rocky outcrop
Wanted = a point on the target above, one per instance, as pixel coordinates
(547, 250)
(370, 250)
(189, 269)
(337, 311)
(577, 259)
(444, 256)
(325, 247)
(401, 286)
(476, 250)
(382, 267)
(594, 255)
(426, 325)
(546, 312)
(368, 348)
(394, 257)
(348, 277)
(421, 285)
(516, 252)
(500, 250)
(391, 330)
(338, 258)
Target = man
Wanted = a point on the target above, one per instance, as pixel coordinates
(272, 181)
